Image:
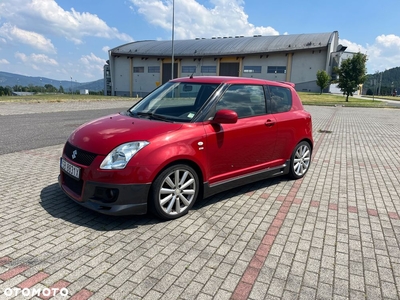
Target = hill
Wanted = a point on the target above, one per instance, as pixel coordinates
(387, 81)
(11, 80)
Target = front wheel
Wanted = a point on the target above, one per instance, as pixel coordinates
(300, 160)
(174, 192)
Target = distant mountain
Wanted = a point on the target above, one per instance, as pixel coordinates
(10, 79)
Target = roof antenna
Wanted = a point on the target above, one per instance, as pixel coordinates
(191, 76)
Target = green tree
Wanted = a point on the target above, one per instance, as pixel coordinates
(61, 89)
(352, 72)
(323, 79)
(6, 91)
(50, 88)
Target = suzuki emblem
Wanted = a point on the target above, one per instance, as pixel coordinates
(74, 154)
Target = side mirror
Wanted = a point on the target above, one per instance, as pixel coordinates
(225, 116)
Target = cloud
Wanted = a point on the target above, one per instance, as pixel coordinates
(33, 39)
(36, 61)
(383, 54)
(47, 17)
(352, 47)
(388, 41)
(4, 61)
(192, 19)
(90, 59)
(92, 66)
(105, 49)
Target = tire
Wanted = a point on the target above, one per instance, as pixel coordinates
(174, 192)
(300, 160)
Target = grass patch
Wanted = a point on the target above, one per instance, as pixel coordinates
(339, 100)
(59, 98)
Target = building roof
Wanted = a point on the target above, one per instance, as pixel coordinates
(224, 46)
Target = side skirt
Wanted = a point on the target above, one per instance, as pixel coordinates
(216, 188)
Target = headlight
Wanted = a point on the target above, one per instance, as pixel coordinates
(120, 156)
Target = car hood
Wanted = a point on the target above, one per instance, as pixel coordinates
(102, 135)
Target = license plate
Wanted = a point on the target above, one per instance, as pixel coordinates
(70, 169)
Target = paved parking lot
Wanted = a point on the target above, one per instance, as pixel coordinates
(335, 234)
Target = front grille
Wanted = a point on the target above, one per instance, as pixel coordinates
(74, 185)
(82, 157)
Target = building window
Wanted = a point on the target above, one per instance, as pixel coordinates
(188, 69)
(208, 69)
(252, 69)
(153, 69)
(138, 69)
(276, 69)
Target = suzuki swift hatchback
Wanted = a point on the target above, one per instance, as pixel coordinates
(188, 139)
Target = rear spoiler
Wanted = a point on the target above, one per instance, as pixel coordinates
(288, 83)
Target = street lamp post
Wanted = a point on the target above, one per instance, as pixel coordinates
(380, 83)
(173, 31)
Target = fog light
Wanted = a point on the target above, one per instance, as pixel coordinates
(111, 193)
(105, 195)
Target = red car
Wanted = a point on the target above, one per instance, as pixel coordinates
(188, 139)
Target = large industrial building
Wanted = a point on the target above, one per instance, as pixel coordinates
(137, 68)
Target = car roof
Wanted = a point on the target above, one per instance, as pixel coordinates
(231, 80)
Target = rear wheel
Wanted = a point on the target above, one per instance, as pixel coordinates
(300, 160)
(174, 192)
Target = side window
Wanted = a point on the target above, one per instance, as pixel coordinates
(245, 100)
(281, 99)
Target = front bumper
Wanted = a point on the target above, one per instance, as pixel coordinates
(109, 199)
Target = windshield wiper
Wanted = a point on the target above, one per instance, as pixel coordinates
(152, 115)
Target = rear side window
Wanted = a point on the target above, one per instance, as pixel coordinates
(245, 100)
(280, 99)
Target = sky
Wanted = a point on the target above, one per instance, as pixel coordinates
(64, 39)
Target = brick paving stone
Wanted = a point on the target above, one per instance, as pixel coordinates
(57, 291)
(100, 281)
(13, 272)
(80, 284)
(145, 286)
(212, 286)
(28, 283)
(82, 295)
(333, 235)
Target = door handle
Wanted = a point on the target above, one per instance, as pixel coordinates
(270, 123)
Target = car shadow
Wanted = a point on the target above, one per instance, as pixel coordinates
(59, 206)
(241, 190)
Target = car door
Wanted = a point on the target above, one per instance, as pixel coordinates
(287, 121)
(244, 147)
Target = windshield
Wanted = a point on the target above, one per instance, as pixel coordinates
(174, 101)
